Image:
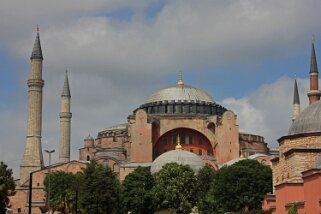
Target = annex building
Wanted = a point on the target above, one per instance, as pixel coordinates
(297, 169)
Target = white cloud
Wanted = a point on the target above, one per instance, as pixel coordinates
(115, 64)
(267, 110)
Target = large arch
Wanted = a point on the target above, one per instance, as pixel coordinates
(190, 139)
(199, 124)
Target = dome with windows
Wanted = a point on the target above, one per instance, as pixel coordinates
(182, 99)
(180, 93)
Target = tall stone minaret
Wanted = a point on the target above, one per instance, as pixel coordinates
(32, 158)
(65, 118)
(314, 93)
(296, 102)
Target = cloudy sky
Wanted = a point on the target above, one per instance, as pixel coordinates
(244, 53)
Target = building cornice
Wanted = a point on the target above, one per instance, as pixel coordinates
(281, 139)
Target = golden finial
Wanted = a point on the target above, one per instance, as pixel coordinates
(178, 146)
(180, 82)
(242, 155)
(312, 39)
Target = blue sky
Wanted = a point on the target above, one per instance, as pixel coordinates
(244, 53)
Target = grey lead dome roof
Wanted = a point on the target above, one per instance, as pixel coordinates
(177, 156)
(181, 93)
(308, 121)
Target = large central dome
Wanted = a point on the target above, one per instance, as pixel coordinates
(181, 100)
(180, 93)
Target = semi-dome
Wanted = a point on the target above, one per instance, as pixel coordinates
(308, 121)
(180, 93)
(177, 156)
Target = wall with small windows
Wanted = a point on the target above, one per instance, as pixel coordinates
(191, 140)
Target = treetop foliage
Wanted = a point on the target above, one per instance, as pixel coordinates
(7, 185)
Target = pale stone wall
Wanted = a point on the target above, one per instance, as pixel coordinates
(289, 169)
(295, 111)
(65, 129)
(32, 159)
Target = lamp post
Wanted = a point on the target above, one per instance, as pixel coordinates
(49, 152)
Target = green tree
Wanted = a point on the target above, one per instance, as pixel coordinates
(7, 186)
(205, 178)
(62, 190)
(137, 187)
(175, 188)
(101, 190)
(240, 186)
(293, 210)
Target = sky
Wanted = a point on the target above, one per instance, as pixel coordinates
(245, 53)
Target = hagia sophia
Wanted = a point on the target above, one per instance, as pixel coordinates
(180, 124)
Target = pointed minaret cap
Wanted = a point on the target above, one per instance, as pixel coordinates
(296, 98)
(180, 82)
(66, 90)
(313, 63)
(178, 146)
(36, 51)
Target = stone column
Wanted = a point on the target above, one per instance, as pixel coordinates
(33, 159)
(65, 123)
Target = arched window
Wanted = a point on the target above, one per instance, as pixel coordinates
(88, 158)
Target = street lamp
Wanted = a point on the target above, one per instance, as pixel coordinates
(49, 152)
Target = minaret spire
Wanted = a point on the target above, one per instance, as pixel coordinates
(36, 51)
(66, 89)
(65, 122)
(33, 158)
(314, 93)
(296, 102)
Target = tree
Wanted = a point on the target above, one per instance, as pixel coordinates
(241, 186)
(7, 186)
(175, 188)
(205, 178)
(137, 187)
(101, 190)
(62, 190)
(293, 210)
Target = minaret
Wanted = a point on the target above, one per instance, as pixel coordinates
(65, 118)
(296, 102)
(314, 93)
(32, 158)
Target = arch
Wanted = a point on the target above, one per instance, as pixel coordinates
(88, 158)
(167, 125)
(190, 139)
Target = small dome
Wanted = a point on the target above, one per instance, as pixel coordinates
(180, 157)
(181, 93)
(308, 121)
